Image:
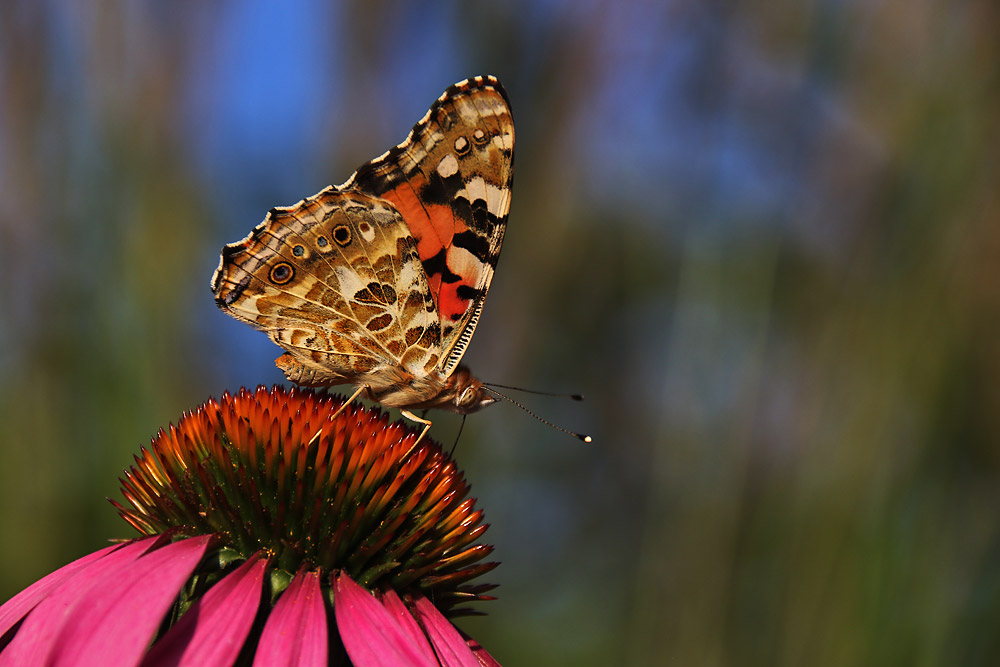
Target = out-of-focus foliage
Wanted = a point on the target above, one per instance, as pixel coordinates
(763, 238)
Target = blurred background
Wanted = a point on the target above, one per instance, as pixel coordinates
(762, 237)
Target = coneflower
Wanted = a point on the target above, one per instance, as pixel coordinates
(277, 529)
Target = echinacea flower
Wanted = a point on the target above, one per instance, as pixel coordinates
(275, 532)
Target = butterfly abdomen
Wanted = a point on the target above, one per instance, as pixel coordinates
(459, 392)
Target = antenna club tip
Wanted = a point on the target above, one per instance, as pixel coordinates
(577, 397)
(585, 438)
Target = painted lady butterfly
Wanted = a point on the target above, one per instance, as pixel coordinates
(380, 282)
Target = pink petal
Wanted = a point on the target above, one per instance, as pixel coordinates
(213, 630)
(451, 648)
(484, 658)
(401, 612)
(35, 639)
(16, 608)
(371, 634)
(115, 622)
(296, 632)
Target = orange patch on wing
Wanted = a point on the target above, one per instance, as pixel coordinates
(432, 225)
(434, 282)
(435, 231)
(450, 305)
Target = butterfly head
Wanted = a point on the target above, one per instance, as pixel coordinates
(468, 394)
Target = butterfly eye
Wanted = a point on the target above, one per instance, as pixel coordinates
(281, 273)
(342, 235)
(467, 397)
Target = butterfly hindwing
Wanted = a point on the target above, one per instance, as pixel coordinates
(336, 281)
(451, 181)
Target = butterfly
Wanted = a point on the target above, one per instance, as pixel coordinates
(380, 282)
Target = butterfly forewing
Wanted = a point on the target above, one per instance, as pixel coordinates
(451, 179)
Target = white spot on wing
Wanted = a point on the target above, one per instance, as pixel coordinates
(464, 263)
(504, 141)
(475, 189)
(350, 281)
(408, 278)
(448, 166)
(495, 198)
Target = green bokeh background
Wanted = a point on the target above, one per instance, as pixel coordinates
(762, 238)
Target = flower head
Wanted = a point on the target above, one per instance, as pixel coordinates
(263, 513)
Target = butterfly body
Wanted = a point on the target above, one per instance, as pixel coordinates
(380, 282)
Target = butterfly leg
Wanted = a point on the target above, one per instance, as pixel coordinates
(426, 422)
(340, 409)
(357, 393)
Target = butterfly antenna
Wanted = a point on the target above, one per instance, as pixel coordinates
(580, 436)
(575, 397)
(460, 427)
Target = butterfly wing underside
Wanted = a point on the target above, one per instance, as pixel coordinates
(451, 180)
(382, 279)
(336, 281)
